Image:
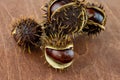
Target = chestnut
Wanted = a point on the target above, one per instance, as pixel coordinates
(59, 3)
(60, 56)
(95, 15)
(56, 5)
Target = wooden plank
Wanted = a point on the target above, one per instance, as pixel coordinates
(96, 59)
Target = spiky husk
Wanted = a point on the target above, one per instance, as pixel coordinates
(27, 33)
(69, 18)
(92, 27)
(48, 6)
(55, 37)
(64, 22)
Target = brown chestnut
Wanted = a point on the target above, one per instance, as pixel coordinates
(60, 56)
(59, 3)
(95, 15)
(56, 5)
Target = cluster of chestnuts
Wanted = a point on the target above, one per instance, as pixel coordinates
(64, 20)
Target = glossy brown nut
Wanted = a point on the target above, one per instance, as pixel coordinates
(56, 5)
(95, 15)
(62, 56)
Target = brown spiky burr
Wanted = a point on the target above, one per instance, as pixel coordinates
(27, 33)
(69, 15)
(96, 19)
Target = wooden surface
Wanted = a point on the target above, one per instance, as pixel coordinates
(96, 59)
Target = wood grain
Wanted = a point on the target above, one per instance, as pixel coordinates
(96, 59)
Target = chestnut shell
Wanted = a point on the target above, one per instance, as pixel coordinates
(27, 33)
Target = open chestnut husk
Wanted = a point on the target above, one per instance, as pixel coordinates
(59, 59)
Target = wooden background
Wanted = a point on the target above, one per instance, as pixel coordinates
(96, 59)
